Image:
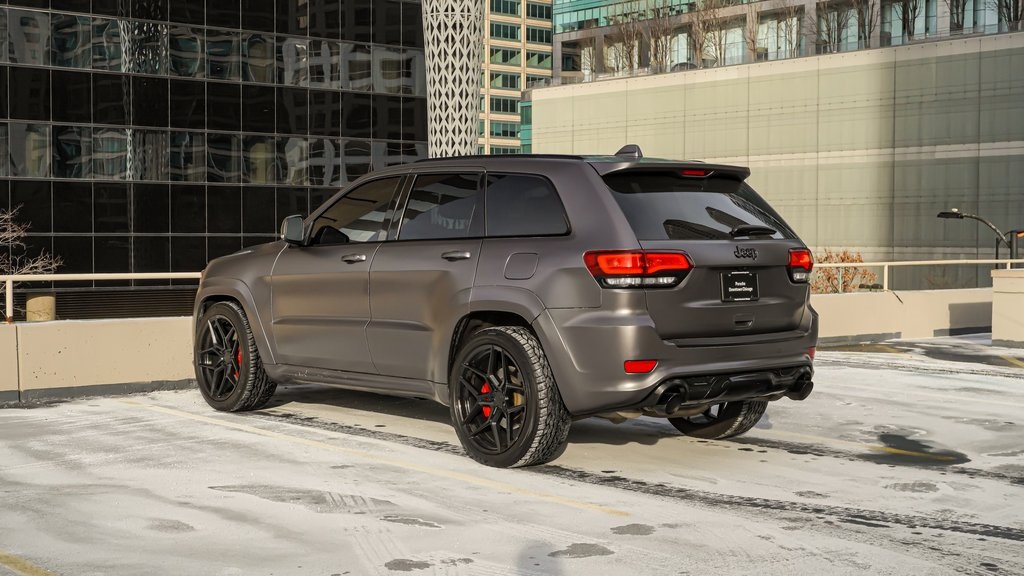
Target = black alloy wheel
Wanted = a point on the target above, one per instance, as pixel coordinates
(219, 358)
(491, 406)
(229, 370)
(505, 406)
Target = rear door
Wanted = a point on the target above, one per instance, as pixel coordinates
(740, 250)
(420, 284)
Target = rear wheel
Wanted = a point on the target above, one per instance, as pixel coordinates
(722, 420)
(228, 367)
(505, 406)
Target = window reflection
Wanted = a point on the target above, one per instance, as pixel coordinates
(295, 153)
(386, 154)
(72, 152)
(356, 67)
(145, 47)
(258, 58)
(324, 64)
(325, 162)
(110, 153)
(4, 56)
(292, 61)
(29, 149)
(71, 44)
(224, 158)
(260, 158)
(5, 152)
(186, 52)
(188, 157)
(29, 36)
(356, 158)
(106, 45)
(222, 55)
(148, 156)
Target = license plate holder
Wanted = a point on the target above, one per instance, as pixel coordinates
(739, 286)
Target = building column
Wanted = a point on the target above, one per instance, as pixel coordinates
(453, 33)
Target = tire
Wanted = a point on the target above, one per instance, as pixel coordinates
(722, 420)
(505, 406)
(228, 367)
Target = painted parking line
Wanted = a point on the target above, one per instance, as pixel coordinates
(1014, 361)
(21, 566)
(433, 471)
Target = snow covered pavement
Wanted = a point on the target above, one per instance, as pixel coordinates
(896, 464)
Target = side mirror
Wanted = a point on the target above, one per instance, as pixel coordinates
(291, 229)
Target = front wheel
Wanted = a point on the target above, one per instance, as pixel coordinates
(722, 420)
(505, 406)
(228, 367)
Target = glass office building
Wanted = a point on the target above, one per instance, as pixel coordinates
(155, 135)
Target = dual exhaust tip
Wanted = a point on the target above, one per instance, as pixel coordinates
(799, 390)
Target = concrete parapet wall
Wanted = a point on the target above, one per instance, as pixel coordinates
(8, 363)
(79, 358)
(75, 358)
(1008, 308)
(872, 316)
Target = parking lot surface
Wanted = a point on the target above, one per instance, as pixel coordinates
(898, 463)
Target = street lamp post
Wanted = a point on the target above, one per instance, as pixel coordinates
(956, 214)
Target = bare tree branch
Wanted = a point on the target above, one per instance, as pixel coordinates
(1011, 14)
(12, 241)
(829, 24)
(867, 14)
(706, 31)
(957, 13)
(908, 11)
(659, 35)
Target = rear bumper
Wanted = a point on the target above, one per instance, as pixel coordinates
(587, 348)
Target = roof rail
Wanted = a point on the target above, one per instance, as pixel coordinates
(631, 150)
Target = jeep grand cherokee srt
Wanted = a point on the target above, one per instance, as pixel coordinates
(524, 292)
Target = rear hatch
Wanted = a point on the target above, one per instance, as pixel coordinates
(741, 283)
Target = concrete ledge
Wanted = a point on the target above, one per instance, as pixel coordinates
(70, 354)
(46, 360)
(877, 316)
(1008, 308)
(8, 360)
(105, 390)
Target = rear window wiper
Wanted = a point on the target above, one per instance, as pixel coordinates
(752, 230)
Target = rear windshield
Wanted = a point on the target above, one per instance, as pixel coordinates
(668, 206)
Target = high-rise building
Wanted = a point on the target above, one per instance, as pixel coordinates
(517, 57)
(155, 135)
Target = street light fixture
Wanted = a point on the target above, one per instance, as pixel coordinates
(956, 214)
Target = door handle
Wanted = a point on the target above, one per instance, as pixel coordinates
(456, 255)
(353, 258)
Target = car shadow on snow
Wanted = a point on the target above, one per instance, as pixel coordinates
(645, 431)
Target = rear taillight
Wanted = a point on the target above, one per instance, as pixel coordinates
(637, 268)
(800, 264)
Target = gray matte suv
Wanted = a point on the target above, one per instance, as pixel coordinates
(524, 292)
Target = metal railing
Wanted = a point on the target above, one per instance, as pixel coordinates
(9, 280)
(885, 266)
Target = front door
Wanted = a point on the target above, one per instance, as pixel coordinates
(420, 285)
(320, 291)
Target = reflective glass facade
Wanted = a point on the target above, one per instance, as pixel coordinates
(155, 135)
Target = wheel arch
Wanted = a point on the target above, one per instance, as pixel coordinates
(233, 290)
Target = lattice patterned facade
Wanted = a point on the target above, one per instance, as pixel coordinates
(453, 36)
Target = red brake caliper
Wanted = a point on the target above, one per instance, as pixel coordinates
(484, 390)
(239, 359)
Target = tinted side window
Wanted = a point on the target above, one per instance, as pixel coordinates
(443, 206)
(668, 206)
(520, 205)
(357, 216)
